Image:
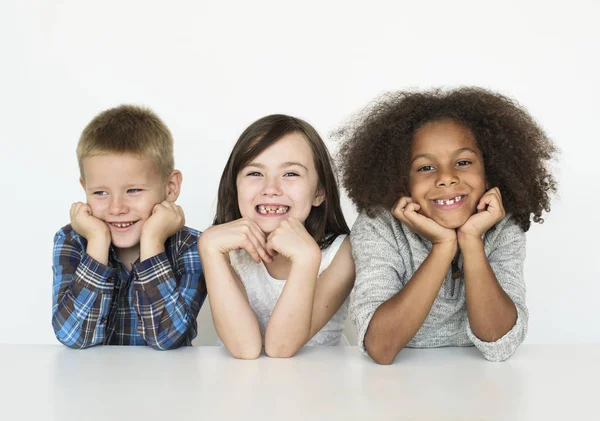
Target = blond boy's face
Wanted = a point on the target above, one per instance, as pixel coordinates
(122, 191)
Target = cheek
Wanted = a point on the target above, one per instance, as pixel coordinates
(98, 207)
(417, 190)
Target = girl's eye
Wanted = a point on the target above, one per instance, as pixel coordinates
(100, 193)
(254, 174)
(463, 163)
(426, 168)
(134, 190)
(290, 174)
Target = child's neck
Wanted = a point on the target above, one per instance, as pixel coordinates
(280, 267)
(128, 255)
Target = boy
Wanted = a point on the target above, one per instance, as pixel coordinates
(127, 270)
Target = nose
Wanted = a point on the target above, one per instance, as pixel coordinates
(118, 205)
(271, 187)
(446, 178)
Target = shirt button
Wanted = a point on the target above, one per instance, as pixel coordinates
(103, 320)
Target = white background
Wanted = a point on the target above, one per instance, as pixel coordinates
(209, 69)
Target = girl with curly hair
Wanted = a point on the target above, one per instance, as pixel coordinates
(446, 183)
(277, 261)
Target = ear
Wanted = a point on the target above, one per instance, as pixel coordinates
(173, 186)
(319, 197)
(82, 183)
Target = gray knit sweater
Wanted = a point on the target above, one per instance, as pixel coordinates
(387, 254)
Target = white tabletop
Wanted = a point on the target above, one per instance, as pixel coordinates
(540, 382)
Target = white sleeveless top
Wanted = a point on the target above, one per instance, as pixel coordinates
(263, 292)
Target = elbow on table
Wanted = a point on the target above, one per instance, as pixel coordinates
(280, 350)
(74, 345)
(382, 353)
(246, 353)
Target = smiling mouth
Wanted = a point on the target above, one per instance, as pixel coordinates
(121, 225)
(448, 202)
(272, 210)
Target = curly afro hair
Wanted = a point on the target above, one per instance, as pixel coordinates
(375, 149)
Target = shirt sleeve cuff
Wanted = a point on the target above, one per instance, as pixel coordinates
(504, 347)
(94, 276)
(153, 272)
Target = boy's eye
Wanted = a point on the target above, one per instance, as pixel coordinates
(133, 190)
(100, 193)
(426, 168)
(463, 163)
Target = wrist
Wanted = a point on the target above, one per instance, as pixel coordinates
(99, 241)
(208, 252)
(445, 247)
(308, 257)
(306, 264)
(150, 246)
(467, 240)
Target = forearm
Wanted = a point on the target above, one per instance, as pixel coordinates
(150, 247)
(167, 304)
(233, 317)
(97, 248)
(491, 311)
(399, 319)
(290, 324)
(82, 304)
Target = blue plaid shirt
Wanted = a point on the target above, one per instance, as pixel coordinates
(156, 304)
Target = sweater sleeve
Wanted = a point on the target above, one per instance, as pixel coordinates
(379, 269)
(507, 260)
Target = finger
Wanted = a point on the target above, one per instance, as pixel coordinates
(400, 206)
(258, 233)
(157, 208)
(257, 238)
(181, 214)
(73, 210)
(485, 201)
(412, 207)
(251, 249)
(402, 202)
(412, 217)
(271, 248)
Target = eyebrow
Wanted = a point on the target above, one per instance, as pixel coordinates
(283, 165)
(128, 186)
(426, 155)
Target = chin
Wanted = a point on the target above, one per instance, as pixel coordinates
(452, 223)
(125, 243)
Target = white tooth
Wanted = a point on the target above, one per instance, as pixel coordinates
(457, 198)
(439, 202)
(450, 202)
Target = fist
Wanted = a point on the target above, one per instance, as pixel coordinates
(87, 225)
(291, 240)
(406, 211)
(240, 234)
(166, 219)
(490, 210)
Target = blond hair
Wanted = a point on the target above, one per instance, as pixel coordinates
(131, 130)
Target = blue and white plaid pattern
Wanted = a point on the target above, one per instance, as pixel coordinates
(155, 304)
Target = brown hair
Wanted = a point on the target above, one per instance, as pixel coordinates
(128, 129)
(324, 222)
(376, 147)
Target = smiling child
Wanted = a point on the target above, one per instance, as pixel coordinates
(126, 269)
(277, 261)
(447, 183)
